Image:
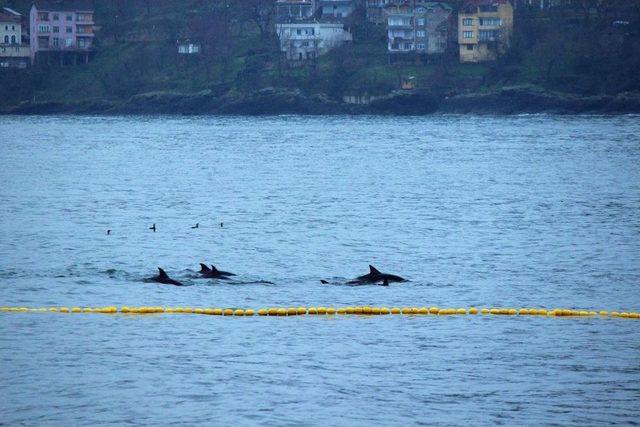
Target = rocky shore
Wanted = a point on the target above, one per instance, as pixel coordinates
(272, 101)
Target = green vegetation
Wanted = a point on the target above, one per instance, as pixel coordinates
(573, 50)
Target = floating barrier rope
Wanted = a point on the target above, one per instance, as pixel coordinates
(330, 311)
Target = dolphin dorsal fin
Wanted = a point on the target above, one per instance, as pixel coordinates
(162, 274)
(373, 270)
(386, 282)
(204, 268)
(213, 269)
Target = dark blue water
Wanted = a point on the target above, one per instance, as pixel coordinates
(531, 211)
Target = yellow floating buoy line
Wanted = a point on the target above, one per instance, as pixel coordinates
(331, 311)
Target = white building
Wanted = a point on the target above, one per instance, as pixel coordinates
(302, 41)
(337, 8)
(13, 53)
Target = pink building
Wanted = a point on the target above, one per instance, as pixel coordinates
(62, 30)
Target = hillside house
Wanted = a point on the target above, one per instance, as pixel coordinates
(63, 30)
(305, 41)
(485, 28)
(13, 52)
(418, 27)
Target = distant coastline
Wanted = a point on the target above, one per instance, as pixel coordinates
(270, 101)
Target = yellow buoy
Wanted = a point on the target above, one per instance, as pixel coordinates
(406, 310)
(263, 312)
(615, 314)
(208, 311)
(238, 312)
(273, 311)
(64, 309)
(473, 310)
(341, 310)
(423, 310)
(302, 310)
(75, 310)
(357, 310)
(53, 309)
(366, 310)
(321, 310)
(312, 310)
(249, 312)
(282, 312)
(292, 311)
(227, 312)
(461, 311)
(331, 310)
(634, 315)
(395, 310)
(375, 310)
(349, 310)
(198, 311)
(485, 311)
(384, 310)
(523, 312)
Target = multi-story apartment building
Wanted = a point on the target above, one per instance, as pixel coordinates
(484, 29)
(13, 53)
(295, 10)
(304, 41)
(62, 28)
(337, 9)
(417, 26)
(303, 31)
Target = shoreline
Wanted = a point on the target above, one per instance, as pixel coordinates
(505, 102)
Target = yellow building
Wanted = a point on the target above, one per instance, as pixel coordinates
(484, 29)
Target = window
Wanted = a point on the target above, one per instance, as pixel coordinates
(84, 43)
(56, 16)
(467, 21)
(43, 28)
(420, 33)
(469, 47)
(13, 27)
(298, 31)
(13, 39)
(467, 34)
(6, 39)
(43, 16)
(69, 17)
(420, 46)
(488, 8)
(305, 44)
(69, 29)
(420, 21)
(56, 42)
(488, 35)
(56, 29)
(6, 28)
(490, 21)
(68, 42)
(407, 46)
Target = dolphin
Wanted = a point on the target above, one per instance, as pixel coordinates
(214, 273)
(163, 278)
(375, 276)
